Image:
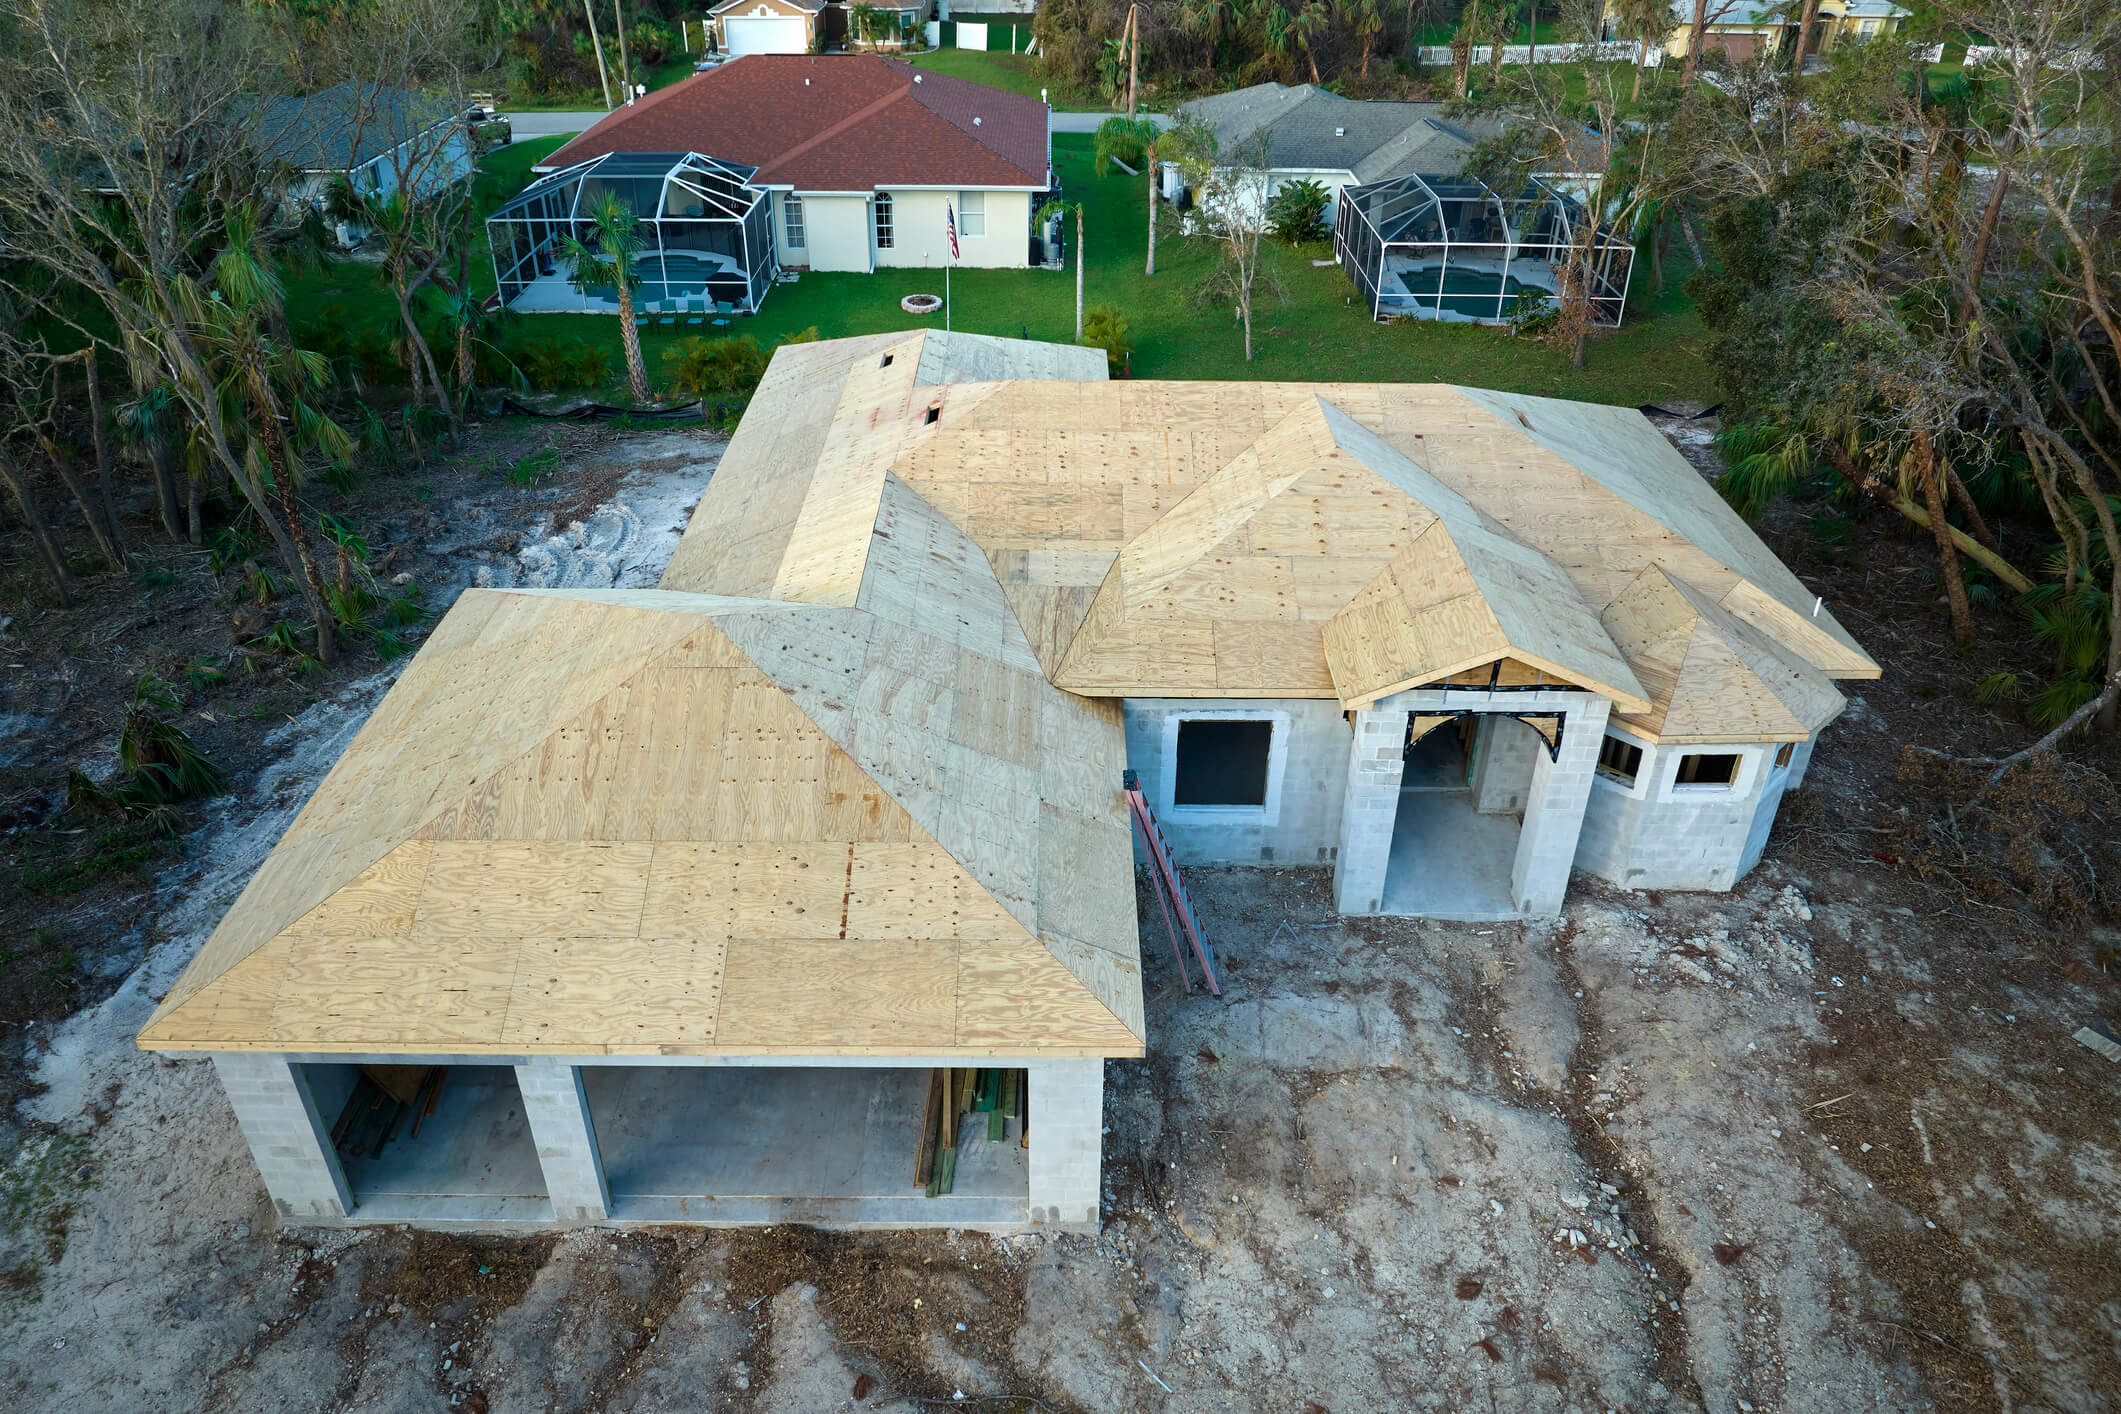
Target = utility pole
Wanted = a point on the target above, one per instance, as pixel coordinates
(1134, 54)
(603, 78)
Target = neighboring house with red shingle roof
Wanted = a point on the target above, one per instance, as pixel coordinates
(861, 154)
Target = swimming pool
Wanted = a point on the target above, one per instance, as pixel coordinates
(1468, 292)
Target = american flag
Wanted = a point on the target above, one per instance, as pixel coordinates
(950, 223)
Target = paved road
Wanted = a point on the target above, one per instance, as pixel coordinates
(525, 126)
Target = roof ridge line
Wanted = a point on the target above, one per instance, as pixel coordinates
(868, 110)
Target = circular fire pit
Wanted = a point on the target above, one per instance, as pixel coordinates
(921, 304)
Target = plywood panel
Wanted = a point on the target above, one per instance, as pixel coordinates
(511, 888)
(917, 891)
(647, 994)
(1006, 989)
(825, 995)
(380, 901)
(395, 993)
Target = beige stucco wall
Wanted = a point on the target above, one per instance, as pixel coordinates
(917, 217)
(836, 229)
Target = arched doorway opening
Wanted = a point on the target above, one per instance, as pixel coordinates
(1464, 784)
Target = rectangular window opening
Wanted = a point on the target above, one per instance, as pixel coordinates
(1708, 769)
(792, 218)
(1622, 760)
(883, 221)
(1784, 752)
(972, 213)
(1223, 762)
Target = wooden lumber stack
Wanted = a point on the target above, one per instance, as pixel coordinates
(999, 1094)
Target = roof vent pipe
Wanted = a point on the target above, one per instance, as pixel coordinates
(975, 122)
(916, 78)
(1340, 132)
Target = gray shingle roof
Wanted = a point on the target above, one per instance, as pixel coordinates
(1307, 127)
(345, 126)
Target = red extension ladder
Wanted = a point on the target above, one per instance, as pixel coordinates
(1171, 892)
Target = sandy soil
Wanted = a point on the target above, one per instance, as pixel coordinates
(1822, 1144)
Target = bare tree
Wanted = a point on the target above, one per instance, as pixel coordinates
(123, 129)
(1231, 209)
(1545, 132)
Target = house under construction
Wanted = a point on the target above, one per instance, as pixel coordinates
(730, 900)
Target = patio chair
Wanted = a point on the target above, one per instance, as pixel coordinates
(665, 312)
(695, 312)
(722, 310)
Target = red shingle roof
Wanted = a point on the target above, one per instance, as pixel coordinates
(834, 123)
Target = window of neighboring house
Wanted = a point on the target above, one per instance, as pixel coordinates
(1784, 752)
(972, 213)
(1622, 760)
(1708, 769)
(792, 219)
(883, 220)
(1223, 761)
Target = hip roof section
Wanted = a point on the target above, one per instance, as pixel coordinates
(842, 122)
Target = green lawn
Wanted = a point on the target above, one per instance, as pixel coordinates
(1321, 333)
(1011, 72)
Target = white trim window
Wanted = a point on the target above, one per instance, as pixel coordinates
(972, 214)
(1224, 765)
(883, 221)
(792, 221)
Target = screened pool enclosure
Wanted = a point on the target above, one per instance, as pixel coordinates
(706, 236)
(1453, 248)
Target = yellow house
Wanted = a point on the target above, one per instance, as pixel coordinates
(1749, 29)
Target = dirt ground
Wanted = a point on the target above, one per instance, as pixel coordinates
(1820, 1144)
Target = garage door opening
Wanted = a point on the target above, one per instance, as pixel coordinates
(832, 1145)
(432, 1143)
(1463, 787)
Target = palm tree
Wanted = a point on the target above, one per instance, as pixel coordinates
(1116, 135)
(408, 264)
(267, 384)
(1647, 22)
(1310, 20)
(1367, 20)
(1059, 208)
(1207, 20)
(864, 20)
(611, 256)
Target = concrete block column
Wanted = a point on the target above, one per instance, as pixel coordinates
(1370, 809)
(288, 1137)
(558, 1110)
(1067, 1113)
(1553, 812)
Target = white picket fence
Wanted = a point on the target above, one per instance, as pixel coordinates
(1608, 49)
(1980, 54)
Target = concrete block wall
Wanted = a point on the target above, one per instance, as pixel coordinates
(1067, 1114)
(1659, 835)
(288, 1136)
(1554, 805)
(558, 1111)
(1308, 771)
(1369, 808)
(1502, 768)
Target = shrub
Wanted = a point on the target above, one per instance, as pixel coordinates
(559, 363)
(1296, 214)
(700, 368)
(1106, 328)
